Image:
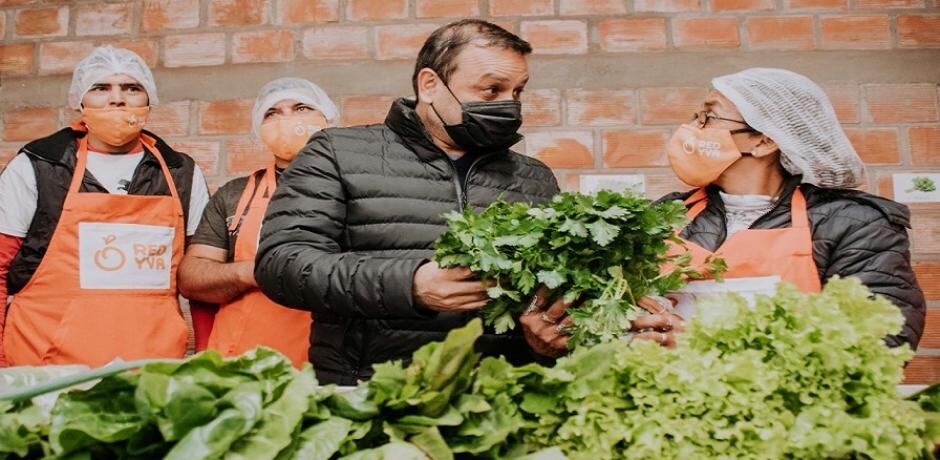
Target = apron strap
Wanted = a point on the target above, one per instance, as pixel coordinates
(698, 200)
(81, 165)
(798, 214)
(264, 190)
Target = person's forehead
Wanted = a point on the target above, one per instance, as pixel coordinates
(117, 79)
(478, 60)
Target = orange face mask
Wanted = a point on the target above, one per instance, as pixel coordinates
(115, 126)
(699, 156)
(286, 135)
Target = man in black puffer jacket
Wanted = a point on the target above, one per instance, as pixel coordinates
(351, 229)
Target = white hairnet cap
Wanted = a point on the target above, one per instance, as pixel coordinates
(297, 89)
(105, 61)
(795, 112)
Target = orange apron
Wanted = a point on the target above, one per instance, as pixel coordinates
(106, 287)
(755, 253)
(253, 319)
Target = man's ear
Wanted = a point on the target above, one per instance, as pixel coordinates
(765, 147)
(427, 85)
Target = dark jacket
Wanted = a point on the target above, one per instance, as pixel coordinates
(353, 218)
(854, 234)
(53, 160)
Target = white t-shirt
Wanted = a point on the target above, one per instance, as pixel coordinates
(19, 195)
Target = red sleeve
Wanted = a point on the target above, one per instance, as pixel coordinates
(9, 246)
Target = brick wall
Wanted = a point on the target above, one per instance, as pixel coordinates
(610, 78)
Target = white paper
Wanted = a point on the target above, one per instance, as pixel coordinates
(749, 288)
(904, 191)
(592, 183)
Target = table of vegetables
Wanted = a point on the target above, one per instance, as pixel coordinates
(789, 375)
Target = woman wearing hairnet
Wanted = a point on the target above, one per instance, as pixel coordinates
(219, 266)
(93, 223)
(774, 173)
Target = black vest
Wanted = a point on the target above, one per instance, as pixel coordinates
(53, 160)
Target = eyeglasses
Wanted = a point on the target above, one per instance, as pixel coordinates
(702, 119)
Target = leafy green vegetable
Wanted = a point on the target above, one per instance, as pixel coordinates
(607, 249)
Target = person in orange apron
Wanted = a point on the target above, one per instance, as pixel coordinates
(773, 176)
(94, 279)
(218, 269)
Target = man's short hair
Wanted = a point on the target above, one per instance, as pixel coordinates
(440, 50)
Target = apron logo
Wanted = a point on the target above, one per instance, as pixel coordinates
(133, 256)
(110, 264)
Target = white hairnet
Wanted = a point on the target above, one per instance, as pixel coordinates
(297, 89)
(103, 62)
(793, 111)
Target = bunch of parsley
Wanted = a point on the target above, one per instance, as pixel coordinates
(606, 250)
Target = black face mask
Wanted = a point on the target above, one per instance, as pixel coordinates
(486, 126)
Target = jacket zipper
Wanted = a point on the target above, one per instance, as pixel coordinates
(462, 200)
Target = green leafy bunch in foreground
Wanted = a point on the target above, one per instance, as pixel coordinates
(607, 249)
(795, 376)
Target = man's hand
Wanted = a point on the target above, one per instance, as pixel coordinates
(544, 329)
(448, 289)
(661, 324)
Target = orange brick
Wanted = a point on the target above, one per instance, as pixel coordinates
(576, 7)
(781, 32)
(875, 145)
(600, 107)
(670, 105)
(919, 31)
(42, 22)
(632, 34)
(882, 4)
(16, 59)
(922, 370)
(3, 24)
(237, 12)
(244, 155)
(541, 107)
(225, 117)
(169, 119)
(925, 144)
(62, 57)
(308, 11)
(263, 46)
(447, 8)
(337, 42)
(29, 124)
(928, 277)
(901, 103)
(706, 33)
(925, 233)
(104, 19)
(855, 32)
(146, 49)
(817, 4)
(741, 5)
(158, 15)
(521, 7)
(931, 337)
(376, 10)
(556, 37)
(666, 6)
(401, 41)
(17, 2)
(206, 154)
(663, 182)
(633, 148)
(844, 99)
(194, 50)
(7, 154)
(365, 110)
(562, 149)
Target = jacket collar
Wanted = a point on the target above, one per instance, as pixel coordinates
(61, 146)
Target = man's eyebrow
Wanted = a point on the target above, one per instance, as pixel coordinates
(494, 76)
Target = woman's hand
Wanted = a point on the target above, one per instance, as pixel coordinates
(544, 328)
(661, 324)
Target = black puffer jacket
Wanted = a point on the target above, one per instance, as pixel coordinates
(352, 219)
(854, 234)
